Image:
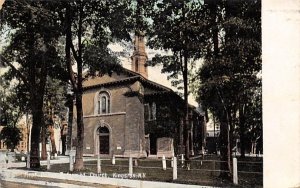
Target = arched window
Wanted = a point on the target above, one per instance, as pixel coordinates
(103, 103)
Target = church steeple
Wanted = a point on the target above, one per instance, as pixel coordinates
(139, 56)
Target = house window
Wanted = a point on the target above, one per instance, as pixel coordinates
(103, 103)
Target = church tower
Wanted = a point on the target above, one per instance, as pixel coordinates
(139, 57)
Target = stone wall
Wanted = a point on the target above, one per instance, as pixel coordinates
(125, 122)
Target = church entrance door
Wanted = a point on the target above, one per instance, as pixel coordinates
(104, 144)
(104, 140)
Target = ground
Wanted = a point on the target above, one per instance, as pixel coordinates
(201, 173)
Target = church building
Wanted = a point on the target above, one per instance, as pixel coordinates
(126, 114)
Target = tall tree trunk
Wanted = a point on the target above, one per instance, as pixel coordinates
(215, 30)
(242, 130)
(186, 110)
(43, 141)
(229, 140)
(36, 101)
(52, 139)
(78, 94)
(80, 133)
(37, 114)
(70, 122)
(224, 144)
(181, 135)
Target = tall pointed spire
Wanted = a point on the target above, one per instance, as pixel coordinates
(139, 56)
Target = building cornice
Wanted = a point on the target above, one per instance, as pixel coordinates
(104, 115)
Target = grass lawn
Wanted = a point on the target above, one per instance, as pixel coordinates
(200, 173)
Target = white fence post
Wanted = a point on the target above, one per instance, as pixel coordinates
(174, 168)
(172, 162)
(182, 159)
(113, 160)
(48, 160)
(98, 164)
(235, 172)
(28, 161)
(164, 162)
(130, 166)
(136, 162)
(71, 162)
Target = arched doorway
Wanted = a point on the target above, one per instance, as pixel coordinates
(103, 133)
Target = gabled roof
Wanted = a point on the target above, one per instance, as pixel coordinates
(132, 76)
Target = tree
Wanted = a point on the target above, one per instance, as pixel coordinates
(177, 27)
(93, 25)
(230, 74)
(86, 26)
(32, 47)
(9, 116)
(54, 109)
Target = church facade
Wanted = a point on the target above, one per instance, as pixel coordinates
(125, 114)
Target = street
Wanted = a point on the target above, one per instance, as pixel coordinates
(7, 184)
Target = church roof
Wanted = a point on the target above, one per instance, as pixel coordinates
(130, 76)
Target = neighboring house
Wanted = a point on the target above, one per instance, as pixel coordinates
(22, 146)
(212, 137)
(124, 114)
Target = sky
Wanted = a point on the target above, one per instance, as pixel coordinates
(154, 73)
(1, 3)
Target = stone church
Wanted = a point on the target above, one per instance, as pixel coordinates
(126, 114)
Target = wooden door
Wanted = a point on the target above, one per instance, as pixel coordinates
(104, 144)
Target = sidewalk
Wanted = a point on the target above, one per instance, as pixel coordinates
(76, 180)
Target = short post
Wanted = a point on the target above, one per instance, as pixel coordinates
(71, 160)
(113, 160)
(48, 160)
(136, 162)
(214, 168)
(164, 162)
(182, 159)
(235, 172)
(174, 168)
(28, 161)
(98, 164)
(172, 162)
(130, 166)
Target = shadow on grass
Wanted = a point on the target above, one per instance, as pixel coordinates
(152, 170)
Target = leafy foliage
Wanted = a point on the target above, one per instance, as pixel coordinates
(10, 113)
(11, 136)
(230, 77)
(31, 56)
